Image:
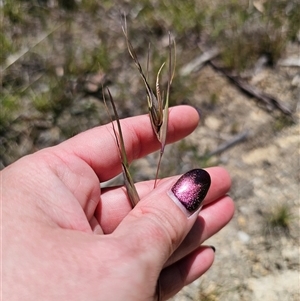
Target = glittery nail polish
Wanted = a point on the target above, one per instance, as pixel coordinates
(191, 189)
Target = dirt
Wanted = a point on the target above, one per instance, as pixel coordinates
(254, 260)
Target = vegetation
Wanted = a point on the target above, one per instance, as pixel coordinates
(279, 219)
(52, 49)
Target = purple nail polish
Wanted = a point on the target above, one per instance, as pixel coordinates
(191, 189)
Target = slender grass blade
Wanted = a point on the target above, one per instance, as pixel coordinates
(128, 181)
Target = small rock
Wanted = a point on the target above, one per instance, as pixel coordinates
(213, 123)
(243, 237)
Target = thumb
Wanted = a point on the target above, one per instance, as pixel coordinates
(161, 220)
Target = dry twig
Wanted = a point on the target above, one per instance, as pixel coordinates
(270, 101)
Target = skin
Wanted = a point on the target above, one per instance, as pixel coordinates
(64, 239)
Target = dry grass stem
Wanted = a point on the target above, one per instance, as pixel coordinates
(129, 184)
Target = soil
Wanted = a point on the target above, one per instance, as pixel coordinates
(255, 260)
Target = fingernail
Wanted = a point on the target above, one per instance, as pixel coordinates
(213, 248)
(198, 110)
(190, 190)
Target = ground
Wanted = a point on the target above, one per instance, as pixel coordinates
(255, 258)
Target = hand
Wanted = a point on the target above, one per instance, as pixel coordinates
(64, 239)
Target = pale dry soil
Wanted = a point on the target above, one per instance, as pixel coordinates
(254, 260)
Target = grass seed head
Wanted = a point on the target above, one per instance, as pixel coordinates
(158, 105)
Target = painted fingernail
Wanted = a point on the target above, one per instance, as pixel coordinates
(213, 248)
(190, 190)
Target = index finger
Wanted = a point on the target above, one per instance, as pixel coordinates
(97, 147)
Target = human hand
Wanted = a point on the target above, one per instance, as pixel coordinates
(64, 239)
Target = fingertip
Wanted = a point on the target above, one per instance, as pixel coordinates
(185, 114)
(200, 261)
(216, 216)
(221, 182)
(187, 270)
